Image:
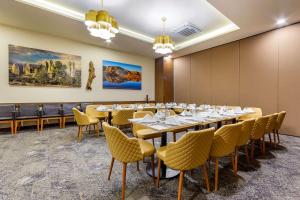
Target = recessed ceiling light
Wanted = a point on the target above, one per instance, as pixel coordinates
(281, 21)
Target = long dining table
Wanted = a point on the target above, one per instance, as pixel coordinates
(162, 126)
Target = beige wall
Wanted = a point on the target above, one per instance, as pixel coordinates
(261, 71)
(88, 53)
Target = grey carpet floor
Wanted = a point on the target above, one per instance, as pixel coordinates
(52, 165)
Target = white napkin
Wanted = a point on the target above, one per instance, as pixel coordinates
(238, 110)
(186, 113)
(229, 113)
(214, 114)
(172, 121)
(248, 110)
(148, 119)
(101, 108)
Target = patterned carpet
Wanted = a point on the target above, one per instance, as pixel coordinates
(52, 165)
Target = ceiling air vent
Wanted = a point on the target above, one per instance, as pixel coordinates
(187, 30)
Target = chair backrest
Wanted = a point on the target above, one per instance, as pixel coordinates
(153, 110)
(256, 114)
(139, 114)
(172, 112)
(225, 140)
(80, 117)
(51, 109)
(121, 117)
(271, 123)
(190, 151)
(246, 129)
(92, 112)
(259, 127)
(122, 148)
(280, 119)
(6, 110)
(28, 110)
(68, 107)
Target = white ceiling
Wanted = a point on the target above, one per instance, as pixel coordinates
(140, 20)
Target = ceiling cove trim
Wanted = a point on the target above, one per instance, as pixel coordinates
(61, 10)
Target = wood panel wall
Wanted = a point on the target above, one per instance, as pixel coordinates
(261, 71)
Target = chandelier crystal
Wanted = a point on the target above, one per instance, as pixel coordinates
(163, 44)
(101, 24)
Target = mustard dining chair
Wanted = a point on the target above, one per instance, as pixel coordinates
(258, 132)
(279, 122)
(126, 150)
(91, 111)
(120, 117)
(83, 120)
(256, 114)
(271, 125)
(189, 152)
(224, 143)
(243, 140)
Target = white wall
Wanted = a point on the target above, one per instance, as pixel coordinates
(19, 94)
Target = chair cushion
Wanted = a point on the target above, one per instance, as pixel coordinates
(93, 120)
(161, 153)
(147, 134)
(146, 148)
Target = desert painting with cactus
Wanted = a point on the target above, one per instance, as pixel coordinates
(35, 67)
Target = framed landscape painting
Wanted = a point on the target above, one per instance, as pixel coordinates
(35, 67)
(118, 75)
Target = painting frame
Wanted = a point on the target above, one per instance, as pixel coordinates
(121, 76)
(42, 68)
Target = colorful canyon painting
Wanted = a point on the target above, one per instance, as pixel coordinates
(121, 76)
(35, 67)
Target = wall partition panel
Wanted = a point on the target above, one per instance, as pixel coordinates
(225, 74)
(182, 77)
(289, 78)
(200, 82)
(259, 71)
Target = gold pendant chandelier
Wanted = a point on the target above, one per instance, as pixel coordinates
(163, 44)
(101, 24)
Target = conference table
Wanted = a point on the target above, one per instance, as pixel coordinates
(162, 126)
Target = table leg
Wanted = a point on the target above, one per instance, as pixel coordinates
(166, 173)
(109, 117)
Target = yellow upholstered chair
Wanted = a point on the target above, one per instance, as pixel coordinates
(92, 112)
(279, 122)
(224, 143)
(189, 152)
(178, 110)
(271, 125)
(243, 140)
(258, 132)
(120, 117)
(256, 114)
(83, 120)
(139, 130)
(126, 150)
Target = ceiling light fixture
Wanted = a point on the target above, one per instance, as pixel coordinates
(101, 24)
(281, 21)
(163, 44)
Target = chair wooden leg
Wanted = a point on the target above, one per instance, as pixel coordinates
(111, 167)
(246, 153)
(153, 142)
(270, 138)
(277, 132)
(12, 127)
(158, 172)
(236, 157)
(42, 124)
(79, 133)
(216, 174)
(206, 177)
(16, 126)
(38, 125)
(275, 142)
(152, 167)
(263, 145)
(124, 180)
(180, 183)
(96, 127)
(174, 137)
(138, 166)
(252, 150)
